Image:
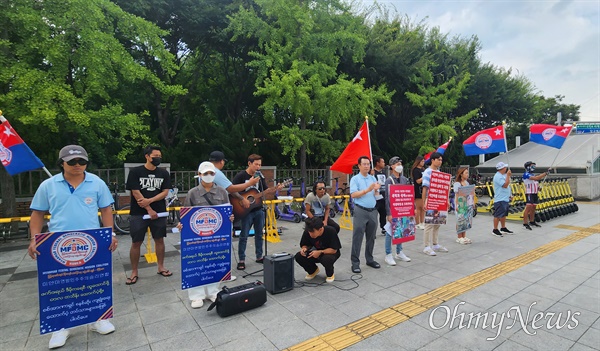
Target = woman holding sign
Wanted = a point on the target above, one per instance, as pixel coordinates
(461, 205)
(395, 178)
(207, 193)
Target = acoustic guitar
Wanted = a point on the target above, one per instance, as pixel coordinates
(253, 196)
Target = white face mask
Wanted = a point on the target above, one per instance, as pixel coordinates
(399, 169)
(208, 178)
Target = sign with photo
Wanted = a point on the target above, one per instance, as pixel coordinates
(205, 245)
(402, 208)
(465, 206)
(74, 278)
(436, 209)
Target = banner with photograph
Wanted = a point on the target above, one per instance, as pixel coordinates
(74, 278)
(465, 205)
(436, 209)
(402, 208)
(205, 245)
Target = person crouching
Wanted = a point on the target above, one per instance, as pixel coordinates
(319, 244)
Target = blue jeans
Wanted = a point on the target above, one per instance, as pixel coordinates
(254, 219)
(388, 245)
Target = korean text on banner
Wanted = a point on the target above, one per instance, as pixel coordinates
(205, 245)
(402, 209)
(436, 209)
(74, 278)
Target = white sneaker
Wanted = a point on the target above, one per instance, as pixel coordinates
(439, 248)
(467, 240)
(429, 251)
(58, 339)
(103, 327)
(233, 277)
(420, 226)
(402, 257)
(461, 241)
(197, 303)
(212, 298)
(390, 260)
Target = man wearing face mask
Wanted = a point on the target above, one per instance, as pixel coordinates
(149, 185)
(207, 193)
(531, 193)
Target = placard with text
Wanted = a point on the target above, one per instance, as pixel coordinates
(205, 245)
(436, 209)
(74, 278)
(465, 206)
(402, 209)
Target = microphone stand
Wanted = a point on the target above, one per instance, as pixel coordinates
(264, 229)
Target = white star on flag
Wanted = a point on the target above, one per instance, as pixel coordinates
(498, 131)
(357, 136)
(8, 132)
(564, 130)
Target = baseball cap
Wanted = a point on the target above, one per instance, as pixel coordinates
(501, 165)
(394, 160)
(70, 152)
(217, 156)
(206, 167)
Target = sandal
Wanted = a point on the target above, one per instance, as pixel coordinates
(166, 273)
(132, 280)
(241, 266)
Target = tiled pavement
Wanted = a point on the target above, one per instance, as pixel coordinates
(155, 314)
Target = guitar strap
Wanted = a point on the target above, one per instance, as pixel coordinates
(208, 199)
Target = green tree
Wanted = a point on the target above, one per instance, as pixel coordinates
(64, 63)
(300, 45)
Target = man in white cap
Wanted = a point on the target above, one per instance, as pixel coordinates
(72, 198)
(207, 193)
(502, 195)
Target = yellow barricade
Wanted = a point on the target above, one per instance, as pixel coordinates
(150, 254)
(346, 220)
(272, 235)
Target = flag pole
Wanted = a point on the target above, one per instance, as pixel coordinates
(369, 138)
(505, 143)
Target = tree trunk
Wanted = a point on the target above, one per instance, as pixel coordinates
(9, 201)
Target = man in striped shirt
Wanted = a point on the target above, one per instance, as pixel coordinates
(531, 194)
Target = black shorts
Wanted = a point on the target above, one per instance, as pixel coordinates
(139, 226)
(500, 209)
(532, 199)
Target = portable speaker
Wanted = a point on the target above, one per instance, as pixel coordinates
(239, 299)
(279, 273)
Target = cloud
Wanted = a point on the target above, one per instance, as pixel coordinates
(555, 44)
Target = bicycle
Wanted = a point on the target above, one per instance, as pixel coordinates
(121, 221)
(173, 201)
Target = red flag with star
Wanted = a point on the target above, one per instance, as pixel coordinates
(487, 141)
(359, 146)
(549, 135)
(15, 155)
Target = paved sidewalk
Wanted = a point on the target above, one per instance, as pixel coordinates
(155, 314)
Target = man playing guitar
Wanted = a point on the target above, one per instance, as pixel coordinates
(255, 217)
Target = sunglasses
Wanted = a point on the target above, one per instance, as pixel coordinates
(79, 161)
(321, 188)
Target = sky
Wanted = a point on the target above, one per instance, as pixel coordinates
(555, 44)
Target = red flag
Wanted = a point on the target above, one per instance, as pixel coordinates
(440, 149)
(359, 146)
(549, 135)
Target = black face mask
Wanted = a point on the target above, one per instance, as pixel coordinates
(156, 161)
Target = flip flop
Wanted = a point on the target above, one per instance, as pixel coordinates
(132, 280)
(166, 273)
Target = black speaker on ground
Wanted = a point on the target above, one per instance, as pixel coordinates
(279, 272)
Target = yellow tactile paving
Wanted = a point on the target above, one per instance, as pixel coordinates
(355, 332)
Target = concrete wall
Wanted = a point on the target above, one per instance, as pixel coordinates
(586, 187)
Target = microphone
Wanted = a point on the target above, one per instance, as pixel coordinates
(259, 174)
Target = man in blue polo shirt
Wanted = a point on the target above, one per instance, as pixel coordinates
(502, 195)
(363, 189)
(73, 198)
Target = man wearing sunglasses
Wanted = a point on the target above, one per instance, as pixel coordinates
(72, 198)
(317, 205)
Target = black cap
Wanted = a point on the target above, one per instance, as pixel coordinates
(217, 156)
